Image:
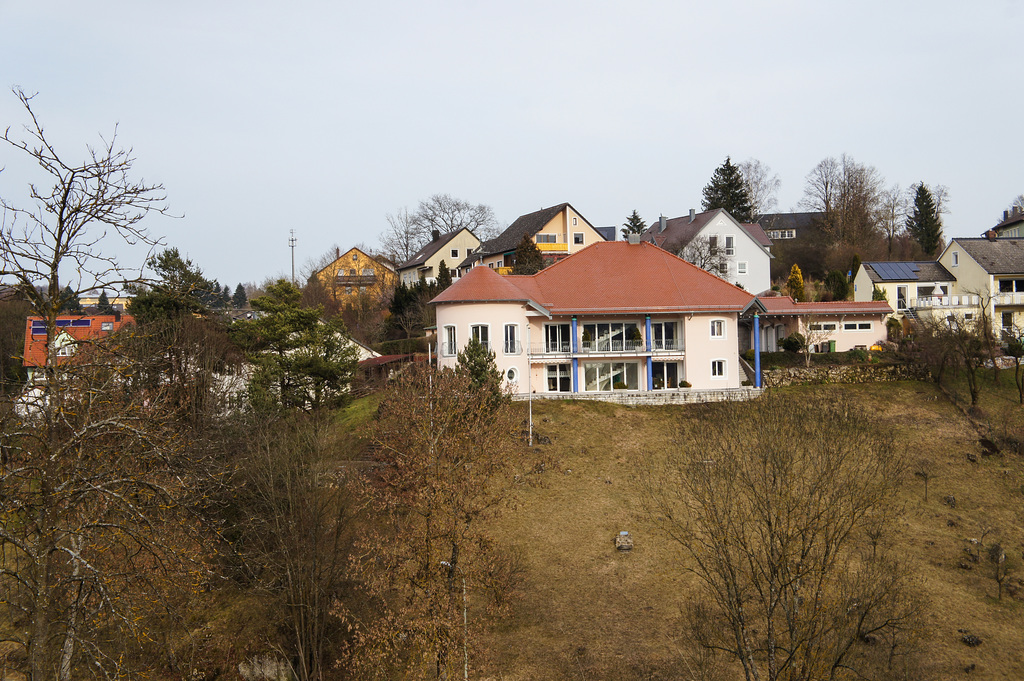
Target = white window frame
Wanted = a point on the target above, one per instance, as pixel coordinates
(955, 255)
(823, 326)
(724, 375)
(857, 327)
(512, 375)
(741, 267)
(454, 252)
(449, 346)
(730, 244)
(574, 222)
(577, 238)
(106, 326)
(516, 347)
(721, 327)
(474, 332)
(547, 238)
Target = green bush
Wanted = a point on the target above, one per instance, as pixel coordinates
(746, 383)
(749, 355)
(685, 384)
(792, 343)
(856, 355)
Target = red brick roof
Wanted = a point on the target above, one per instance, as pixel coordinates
(79, 327)
(606, 278)
(785, 305)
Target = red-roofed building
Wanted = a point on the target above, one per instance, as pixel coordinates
(72, 330)
(613, 317)
(838, 326)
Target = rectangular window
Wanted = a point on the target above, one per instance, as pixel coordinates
(723, 269)
(717, 328)
(713, 245)
(559, 379)
(455, 253)
(823, 326)
(106, 326)
(741, 268)
(512, 340)
(856, 326)
(612, 337)
(574, 222)
(557, 338)
(718, 368)
(607, 376)
(730, 243)
(546, 238)
(1007, 321)
(481, 334)
(663, 336)
(665, 375)
(448, 348)
(956, 258)
(577, 238)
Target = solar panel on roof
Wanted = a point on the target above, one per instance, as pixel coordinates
(895, 271)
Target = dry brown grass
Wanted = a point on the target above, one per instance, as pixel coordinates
(590, 612)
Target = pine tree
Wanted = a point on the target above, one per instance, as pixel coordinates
(240, 299)
(528, 257)
(837, 285)
(477, 362)
(728, 190)
(795, 283)
(104, 306)
(444, 276)
(634, 225)
(924, 223)
(69, 301)
(225, 297)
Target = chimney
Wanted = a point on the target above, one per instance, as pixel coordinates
(661, 224)
(435, 235)
(634, 238)
(1006, 215)
(337, 252)
(990, 235)
(693, 215)
(1016, 210)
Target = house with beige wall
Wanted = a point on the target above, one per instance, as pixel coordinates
(558, 231)
(356, 272)
(616, 317)
(990, 271)
(914, 289)
(451, 247)
(835, 326)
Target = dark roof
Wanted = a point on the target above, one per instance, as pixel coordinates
(1010, 219)
(524, 225)
(384, 359)
(797, 221)
(609, 233)
(996, 256)
(430, 249)
(680, 231)
(906, 270)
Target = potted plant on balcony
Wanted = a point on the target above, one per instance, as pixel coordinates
(634, 338)
(587, 340)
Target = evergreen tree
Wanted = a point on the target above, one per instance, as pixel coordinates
(104, 306)
(69, 301)
(240, 299)
(795, 283)
(634, 225)
(924, 223)
(444, 276)
(182, 289)
(225, 297)
(837, 285)
(477, 363)
(528, 257)
(728, 190)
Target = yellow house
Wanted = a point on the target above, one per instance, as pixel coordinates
(451, 248)
(558, 231)
(356, 272)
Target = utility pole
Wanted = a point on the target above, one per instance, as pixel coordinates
(291, 245)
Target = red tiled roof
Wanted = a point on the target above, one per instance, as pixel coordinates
(79, 327)
(785, 305)
(606, 277)
(384, 359)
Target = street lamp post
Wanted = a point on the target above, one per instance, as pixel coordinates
(465, 623)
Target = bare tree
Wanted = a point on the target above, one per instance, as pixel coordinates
(893, 214)
(762, 185)
(813, 332)
(849, 194)
(1017, 204)
(706, 253)
(769, 502)
(445, 213)
(403, 237)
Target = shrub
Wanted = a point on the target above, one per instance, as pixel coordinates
(749, 355)
(684, 384)
(856, 355)
(746, 383)
(793, 343)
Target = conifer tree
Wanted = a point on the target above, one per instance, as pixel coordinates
(528, 257)
(444, 276)
(795, 283)
(924, 223)
(728, 190)
(634, 225)
(69, 301)
(104, 306)
(477, 362)
(240, 299)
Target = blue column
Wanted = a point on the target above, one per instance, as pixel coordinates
(575, 362)
(650, 367)
(757, 350)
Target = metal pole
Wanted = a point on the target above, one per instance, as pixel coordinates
(529, 381)
(291, 245)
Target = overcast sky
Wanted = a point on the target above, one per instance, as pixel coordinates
(322, 117)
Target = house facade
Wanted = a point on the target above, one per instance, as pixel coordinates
(614, 317)
(356, 272)
(715, 241)
(72, 332)
(914, 289)
(452, 248)
(990, 271)
(558, 232)
(835, 326)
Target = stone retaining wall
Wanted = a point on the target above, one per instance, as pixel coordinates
(843, 373)
(683, 396)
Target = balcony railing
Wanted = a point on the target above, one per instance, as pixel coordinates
(1009, 298)
(513, 348)
(557, 248)
(449, 349)
(607, 346)
(613, 346)
(942, 301)
(503, 271)
(660, 345)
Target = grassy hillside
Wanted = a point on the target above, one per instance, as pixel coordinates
(587, 611)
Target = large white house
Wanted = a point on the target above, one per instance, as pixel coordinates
(614, 317)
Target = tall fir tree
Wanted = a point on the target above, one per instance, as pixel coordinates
(795, 283)
(69, 301)
(104, 306)
(240, 299)
(528, 257)
(924, 223)
(634, 225)
(728, 190)
(444, 276)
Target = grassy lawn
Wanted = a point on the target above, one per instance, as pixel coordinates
(589, 612)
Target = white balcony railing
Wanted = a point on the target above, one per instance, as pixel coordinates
(613, 346)
(944, 301)
(660, 345)
(449, 349)
(606, 346)
(1009, 299)
(513, 348)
